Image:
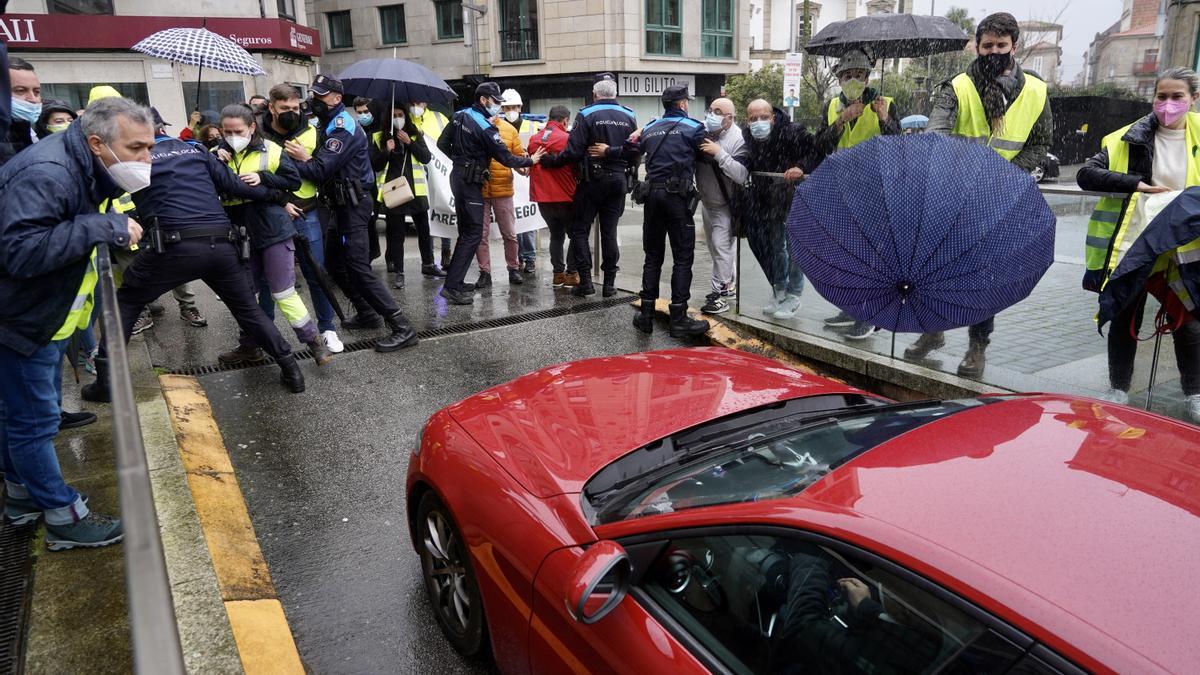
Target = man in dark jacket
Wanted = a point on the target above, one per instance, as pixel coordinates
(780, 153)
(50, 228)
(26, 108)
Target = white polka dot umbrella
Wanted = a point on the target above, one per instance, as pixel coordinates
(199, 47)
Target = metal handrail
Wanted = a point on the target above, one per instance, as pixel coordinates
(520, 44)
(152, 626)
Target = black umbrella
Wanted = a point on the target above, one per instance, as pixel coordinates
(889, 36)
(397, 80)
(322, 277)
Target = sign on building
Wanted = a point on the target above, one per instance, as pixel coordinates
(652, 84)
(792, 76)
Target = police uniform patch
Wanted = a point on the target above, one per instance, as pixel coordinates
(339, 121)
(333, 145)
(496, 137)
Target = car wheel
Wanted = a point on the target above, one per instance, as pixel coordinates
(1038, 174)
(450, 581)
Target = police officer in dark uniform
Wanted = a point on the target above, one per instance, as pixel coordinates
(671, 145)
(597, 142)
(189, 237)
(470, 143)
(341, 168)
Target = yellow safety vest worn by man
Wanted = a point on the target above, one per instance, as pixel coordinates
(864, 128)
(1024, 134)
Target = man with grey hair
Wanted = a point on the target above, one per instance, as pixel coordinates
(51, 231)
(717, 182)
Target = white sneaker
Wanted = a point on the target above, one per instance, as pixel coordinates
(773, 306)
(1118, 396)
(1193, 408)
(332, 342)
(789, 307)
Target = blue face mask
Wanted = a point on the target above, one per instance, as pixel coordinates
(365, 119)
(713, 122)
(493, 110)
(760, 129)
(24, 110)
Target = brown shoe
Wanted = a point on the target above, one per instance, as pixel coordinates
(974, 362)
(560, 279)
(925, 344)
(571, 279)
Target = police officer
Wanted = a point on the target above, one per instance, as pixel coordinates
(342, 169)
(672, 144)
(189, 237)
(470, 143)
(598, 141)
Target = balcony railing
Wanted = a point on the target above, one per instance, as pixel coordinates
(519, 45)
(1145, 68)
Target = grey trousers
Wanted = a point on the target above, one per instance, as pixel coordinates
(722, 244)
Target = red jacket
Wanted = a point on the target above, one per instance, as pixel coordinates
(547, 185)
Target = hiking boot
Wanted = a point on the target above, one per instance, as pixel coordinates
(644, 321)
(240, 355)
(403, 334)
(432, 271)
(73, 420)
(925, 344)
(22, 511)
(715, 304)
(584, 288)
(290, 374)
(362, 321)
(560, 279)
(515, 278)
(683, 325)
(841, 320)
(974, 362)
(484, 281)
(192, 316)
(861, 331)
(143, 323)
(457, 297)
(97, 392)
(92, 531)
(610, 284)
(333, 342)
(319, 350)
(571, 279)
(398, 281)
(789, 307)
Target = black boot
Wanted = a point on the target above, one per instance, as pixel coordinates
(403, 334)
(290, 374)
(462, 297)
(320, 351)
(515, 278)
(683, 325)
(585, 287)
(398, 282)
(610, 284)
(361, 321)
(98, 391)
(975, 361)
(432, 270)
(644, 321)
(485, 281)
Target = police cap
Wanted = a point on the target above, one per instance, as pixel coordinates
(158, 120)
(600, 77)
(677, 92)
(325, 84)
(491, 90)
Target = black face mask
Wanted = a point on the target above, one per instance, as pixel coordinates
(320, 108)
(212, 143)
(289, 121)
(994, 65)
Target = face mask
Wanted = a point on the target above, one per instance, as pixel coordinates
(512, 116)
(853, 89)
(417, 110)
(760, 129)
(24, 110)
(320, 108)
(493, 110)
(1169, 111)
(713, 122)
(58, 128)
(365, 119)
(289, 121)
(129, 176)
(238, 143)
(994, 65)
(398, 122)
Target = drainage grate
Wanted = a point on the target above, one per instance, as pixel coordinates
(16, 592)
(456, 329)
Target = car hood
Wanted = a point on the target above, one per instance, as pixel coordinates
(554, 429)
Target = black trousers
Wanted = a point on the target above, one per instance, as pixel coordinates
(213, 261)
(604, 197)
(351, 226)
(667, 218)
(558, 216)
(1122, 349)
(335, 265)
(395, 235)
(468, 211)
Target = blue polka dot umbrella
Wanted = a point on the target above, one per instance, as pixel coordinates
(921, 233)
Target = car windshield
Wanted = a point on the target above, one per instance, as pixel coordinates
(775, 459)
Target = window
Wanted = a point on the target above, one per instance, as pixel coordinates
(341, 31)
(391, 25)
(716, 30)
(1038, 63)
(287, 9)
(449, 19)
(80, 7)
(213, 95)
(76, 95)
(518, 30)
(770, 603)
(664, 33)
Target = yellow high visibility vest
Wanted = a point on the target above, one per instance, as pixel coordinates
(307, 138)
(865, 128)
(529, 127)
(420, 184)
(973, 123)
(81, 307)
(252, 160)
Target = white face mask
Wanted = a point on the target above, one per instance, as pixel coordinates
(417, 110)
(238, 143)
(129, 176)
(512, 116)
(398, 122)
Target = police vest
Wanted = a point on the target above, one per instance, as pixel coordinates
(865, 128)
(420, 186)
(431, 124)
(1109, 224)
(307, 138)
(973, 123)
(81, 308)
(247, 161)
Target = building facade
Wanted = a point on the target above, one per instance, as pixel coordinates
(1040, 49)
(1127, 53)
(1181, 38)
(548, 50)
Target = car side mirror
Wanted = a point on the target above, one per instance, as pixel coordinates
(599, 581)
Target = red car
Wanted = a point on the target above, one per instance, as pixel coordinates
(704, 510)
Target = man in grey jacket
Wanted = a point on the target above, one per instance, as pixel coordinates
(717, 183)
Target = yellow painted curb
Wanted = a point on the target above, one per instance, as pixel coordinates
(259, 625)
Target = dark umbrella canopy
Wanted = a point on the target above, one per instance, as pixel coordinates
(889, 36)
(921, 233)
(395, 79)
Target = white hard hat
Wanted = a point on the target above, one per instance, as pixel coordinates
(511, 97)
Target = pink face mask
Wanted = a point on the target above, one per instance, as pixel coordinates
(1171, 110)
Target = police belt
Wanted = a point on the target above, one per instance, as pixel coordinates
(174, 236)
(305, 204)
(679, 187)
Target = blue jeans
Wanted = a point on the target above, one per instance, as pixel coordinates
(30, 390)
(526, 247)
(308, 227)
